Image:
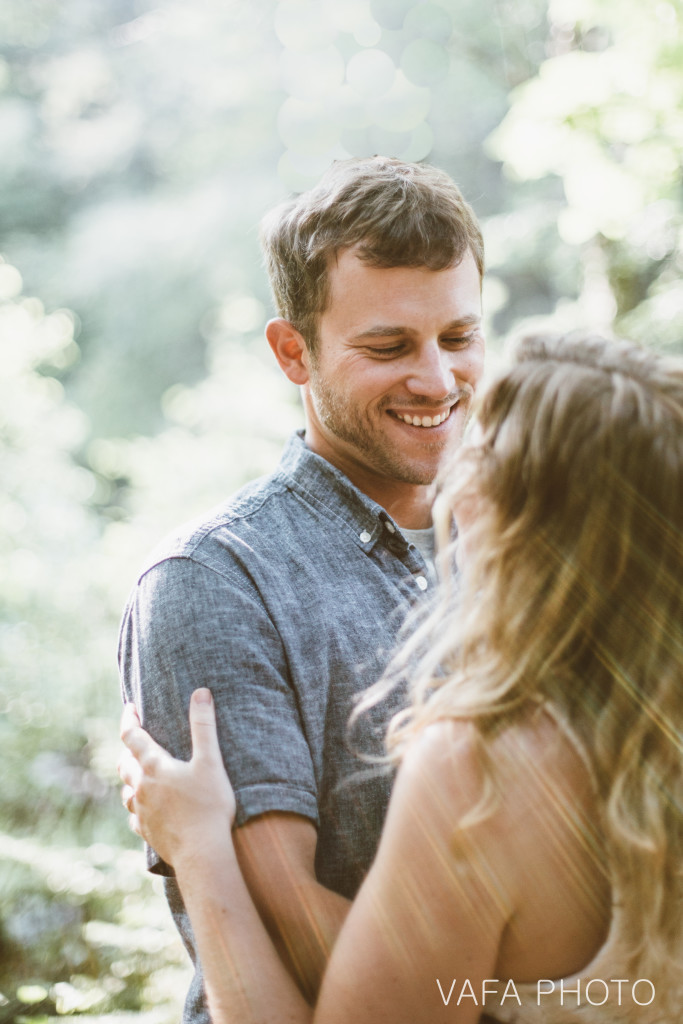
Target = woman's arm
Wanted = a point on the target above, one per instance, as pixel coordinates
(430, 912)
(433, 907)
(185, 811)
(244, 977)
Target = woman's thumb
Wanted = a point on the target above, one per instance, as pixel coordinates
(203, 725)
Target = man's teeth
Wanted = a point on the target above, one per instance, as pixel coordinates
(424, 421)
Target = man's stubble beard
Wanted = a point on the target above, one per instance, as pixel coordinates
(342, 418)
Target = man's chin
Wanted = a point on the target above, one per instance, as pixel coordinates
(418, 474)
(418, 468)
(384, 459)
(419, 479)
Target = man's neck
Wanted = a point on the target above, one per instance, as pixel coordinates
(410, 505)
(413, 514)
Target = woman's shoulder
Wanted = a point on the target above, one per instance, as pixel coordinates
(443, 764)
(448, 742)
(531, 768)
(539, 736)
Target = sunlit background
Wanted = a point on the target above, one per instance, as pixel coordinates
(139, 146)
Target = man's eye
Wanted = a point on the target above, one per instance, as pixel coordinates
(386, 351)
(460, 340)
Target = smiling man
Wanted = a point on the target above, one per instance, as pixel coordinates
(390, 376)
(287, 601)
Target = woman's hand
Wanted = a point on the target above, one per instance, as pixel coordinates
(177, 806)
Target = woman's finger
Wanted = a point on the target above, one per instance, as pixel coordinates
(127, 797)
(129, 769)
(129, 717)
(203, 726)
(139, 743)
(134, 825)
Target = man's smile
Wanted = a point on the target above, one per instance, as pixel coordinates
(434, 419)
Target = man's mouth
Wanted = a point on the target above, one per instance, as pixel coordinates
(414, 420)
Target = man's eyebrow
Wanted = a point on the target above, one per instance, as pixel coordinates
(391, 331)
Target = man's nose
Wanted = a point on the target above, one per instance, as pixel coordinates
(431, 374)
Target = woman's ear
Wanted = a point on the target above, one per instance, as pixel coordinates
(289, 349)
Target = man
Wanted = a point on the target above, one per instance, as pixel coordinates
(288, 600)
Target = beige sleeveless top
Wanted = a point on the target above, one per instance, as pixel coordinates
(598, 994)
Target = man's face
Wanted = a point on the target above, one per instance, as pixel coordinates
(397, 347)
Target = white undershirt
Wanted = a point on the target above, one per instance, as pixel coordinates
(425, 543)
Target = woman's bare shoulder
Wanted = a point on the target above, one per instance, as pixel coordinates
(451, 766)
(541, 754)
(445, 761)
(514, 808)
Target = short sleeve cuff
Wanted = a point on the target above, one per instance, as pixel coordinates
(266, 797)
(263, 798)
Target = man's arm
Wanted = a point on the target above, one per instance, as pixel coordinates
(276, 854)
(188, 626)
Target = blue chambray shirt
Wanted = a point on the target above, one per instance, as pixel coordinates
(286, 602)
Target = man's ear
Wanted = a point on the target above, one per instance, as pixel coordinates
(289, 349)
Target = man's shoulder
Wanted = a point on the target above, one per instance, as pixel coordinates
(226, 529)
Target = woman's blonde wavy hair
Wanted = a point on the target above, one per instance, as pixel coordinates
(572, 593)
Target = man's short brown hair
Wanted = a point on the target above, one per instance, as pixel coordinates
(397, 214)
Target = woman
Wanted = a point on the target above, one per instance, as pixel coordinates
(529, 868)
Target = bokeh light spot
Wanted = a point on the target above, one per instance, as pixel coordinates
(403, 107)
(388, 143)
(420, 145)
(574, 226)
(300, 172)
(368, 33)
(359, 142)
(348, 109)
(431, 21)
(305, 127)
(495, 293)
(346, 15)
(371, 73)
(292, 176)
(424, 62)
(310, 75)
(10, 282)
(317, 165)
(241, 314)
(31, 994)
(666, 13)
(391, 13)
(302, 25)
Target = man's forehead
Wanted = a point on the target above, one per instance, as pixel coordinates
(355, 260)
(349, 270)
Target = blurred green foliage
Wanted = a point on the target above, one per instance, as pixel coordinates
(141, 144)
(604, 116)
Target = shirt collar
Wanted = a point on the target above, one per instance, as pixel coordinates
(319, 481)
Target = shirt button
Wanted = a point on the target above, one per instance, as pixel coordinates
(390, 527)
(421, 582)
(365, 536)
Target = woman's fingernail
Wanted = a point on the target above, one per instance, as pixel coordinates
(202, 696)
